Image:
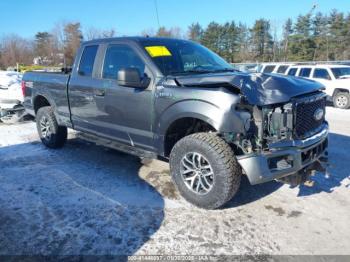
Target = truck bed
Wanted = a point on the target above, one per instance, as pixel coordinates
(50, 85)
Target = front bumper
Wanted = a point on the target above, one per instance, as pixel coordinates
(285, 158)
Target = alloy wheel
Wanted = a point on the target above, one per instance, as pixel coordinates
(197, 173)
(45, 128)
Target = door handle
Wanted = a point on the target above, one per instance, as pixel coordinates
(99, 92)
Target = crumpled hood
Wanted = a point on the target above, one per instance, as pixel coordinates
(259, 89)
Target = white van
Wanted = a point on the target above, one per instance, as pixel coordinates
(336, 79)
(276, 68)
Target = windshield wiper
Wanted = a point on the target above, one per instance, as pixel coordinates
(204, 71)
(191, 72)
(199, 71)
(213, 71)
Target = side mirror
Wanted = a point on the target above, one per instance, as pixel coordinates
(131, 77)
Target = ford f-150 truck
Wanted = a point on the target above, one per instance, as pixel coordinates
(176, 100)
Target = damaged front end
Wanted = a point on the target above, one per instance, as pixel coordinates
(286, 142)
(285, 133)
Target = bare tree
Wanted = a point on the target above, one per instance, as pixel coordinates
(15, 49)
(195, 32)
(95, 33)
(58, 43)
(148, 32)
(72, 39)
(177, 32)
(163, 32)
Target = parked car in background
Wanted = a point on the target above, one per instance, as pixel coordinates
(276, 68)
(11, 97)
(247, 68)
(336, 79)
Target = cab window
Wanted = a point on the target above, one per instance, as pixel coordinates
(341, 72)
(305, 72)
(292, 71)
(118, 57)
(269, 69)
(282, 69)
(87, 60)
(321, 73)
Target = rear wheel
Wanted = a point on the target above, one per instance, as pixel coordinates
(205, 170)
(51, 134)
(341, 100)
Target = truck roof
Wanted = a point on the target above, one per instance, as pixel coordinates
(133, 39)
(321, 66)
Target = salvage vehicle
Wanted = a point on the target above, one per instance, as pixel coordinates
(336, 79)
(177, 101)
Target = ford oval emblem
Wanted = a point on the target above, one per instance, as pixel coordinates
(318, 114)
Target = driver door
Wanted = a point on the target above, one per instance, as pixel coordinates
(127, 111)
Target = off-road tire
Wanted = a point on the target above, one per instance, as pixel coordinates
(341, 95)
(227, 172)
(58, 135)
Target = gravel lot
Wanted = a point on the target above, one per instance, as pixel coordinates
(85, 199)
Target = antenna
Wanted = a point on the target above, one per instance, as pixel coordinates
(156, 6)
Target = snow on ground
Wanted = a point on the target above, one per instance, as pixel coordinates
(10, 85)
(85, 199)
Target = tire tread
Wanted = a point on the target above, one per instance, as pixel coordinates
(60, 132)
(228, 164)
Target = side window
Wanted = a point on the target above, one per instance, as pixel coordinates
(87, 60)
(321, 73)
(118, 57)
(292, 71)
(305, 72)
(282, 69)
(269, 68)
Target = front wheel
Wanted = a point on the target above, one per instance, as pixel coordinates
(341, 100)
(205, 170)
(51, 134)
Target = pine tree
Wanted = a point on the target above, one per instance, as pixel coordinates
(261, 40)
(303, 25)
(337, 32)
(229, 44)
(195, 32)
(212, 37)
(319, 32)
(301, 44)
(43, 46)
(243, 45)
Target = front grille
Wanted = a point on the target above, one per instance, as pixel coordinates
(305, 122)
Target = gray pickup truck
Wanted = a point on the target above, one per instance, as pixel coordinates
(177, 101)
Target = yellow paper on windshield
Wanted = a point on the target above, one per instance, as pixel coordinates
(156, 51)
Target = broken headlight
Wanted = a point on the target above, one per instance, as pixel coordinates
(279, 123)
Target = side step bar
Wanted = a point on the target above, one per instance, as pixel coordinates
(116, 145)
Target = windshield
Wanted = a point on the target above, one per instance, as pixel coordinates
(176, 57)
(341, 72)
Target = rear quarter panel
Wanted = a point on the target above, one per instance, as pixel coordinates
(52, 86)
